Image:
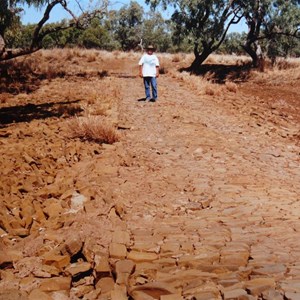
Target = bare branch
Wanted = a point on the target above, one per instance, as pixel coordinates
(2, 45)
(273, 34)
(40, 31)
(56, 29)
(16, 53)
(36, 35)
(64, 5)
(234, 20)
(79, 5)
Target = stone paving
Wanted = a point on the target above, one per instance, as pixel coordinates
(196, 202)
(216, 217)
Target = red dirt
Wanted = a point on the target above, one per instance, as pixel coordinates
(206, 187)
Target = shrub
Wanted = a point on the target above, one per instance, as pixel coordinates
(68, 110)
(93, 128)
(103, 73)
(209, 90)
(231, 87)
(163, 70)
(285, 64)
(176, 58)
(92, 57)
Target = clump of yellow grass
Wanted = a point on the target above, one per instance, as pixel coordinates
(202, 85)
(231, 86)
(93, 128)
(279, 72)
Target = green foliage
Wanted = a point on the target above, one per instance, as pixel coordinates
(10, 13)
(203, 23)
(282, 46)
(155, 31)
(96, 37)
(199, 25)
(68, 37)
(232, 44)
(20, 37)
(128, 25)
(282, 28)
(6, 16)
(273, 24)
(43, 34)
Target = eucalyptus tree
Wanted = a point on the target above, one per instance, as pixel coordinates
(127, 25)
(156, 31)
(10, 13)
(232, 43)
(205, 22)
(276, 22)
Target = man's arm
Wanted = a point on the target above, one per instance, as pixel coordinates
(141, 71)
(157, 66)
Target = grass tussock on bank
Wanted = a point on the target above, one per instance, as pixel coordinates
(278, 74)
(93, 128)
(214, 80)
(202, 85)
(59, 75)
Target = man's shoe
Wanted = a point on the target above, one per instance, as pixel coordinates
(152, 100)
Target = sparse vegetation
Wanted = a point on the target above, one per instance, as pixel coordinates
(163, 69)
(201, 27)
(208, 139)
(93, 128)
(176, 58)
(231, 87)
(24, 40)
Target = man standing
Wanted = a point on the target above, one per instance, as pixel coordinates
(149, 71)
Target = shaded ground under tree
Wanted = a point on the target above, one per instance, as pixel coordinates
(220, 73)
(29, 112)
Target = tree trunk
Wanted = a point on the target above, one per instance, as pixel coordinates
(199, 57)
(252, 53)
(260, 56)
(2, 45)
(256, 55)
(198, 61)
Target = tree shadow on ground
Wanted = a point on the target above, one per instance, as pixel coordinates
(20, 77)
(29, 112)
(220, 73)
(123, 75)
(26, 76)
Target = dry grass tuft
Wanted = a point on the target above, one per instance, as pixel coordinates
(209, 90)
(93, 128)
(176, 58)
(116, 53)
(283, 68)
(228, 59)
(211, 60)
(286, 64)
(202, 85)
(163, 69)
(52, 72)
(103, 73)
(231, 86)
(69, 110)
(92, 57)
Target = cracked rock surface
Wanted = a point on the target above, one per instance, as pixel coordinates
(198, 200)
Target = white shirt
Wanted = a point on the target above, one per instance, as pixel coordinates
(149, 63)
